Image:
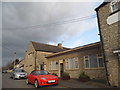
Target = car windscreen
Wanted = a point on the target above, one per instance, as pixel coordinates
(41, 73)
(19, 70)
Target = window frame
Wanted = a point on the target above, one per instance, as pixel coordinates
(51, 65)
(69, 64)
(98, 60)
(76, 59)
(89, 62)
(113, 3)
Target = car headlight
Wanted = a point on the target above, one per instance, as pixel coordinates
(43, 78)
(17, 74)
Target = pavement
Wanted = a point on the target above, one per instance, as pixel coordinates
(74, 83)
(7, 82)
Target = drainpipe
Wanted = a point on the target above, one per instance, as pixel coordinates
(102, 48)
(118, 54)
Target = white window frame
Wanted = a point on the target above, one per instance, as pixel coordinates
(53, 65)
(114, 2)
(85, 61)
(76, 59)
(97, 55)
(98, 60)
(67, 64)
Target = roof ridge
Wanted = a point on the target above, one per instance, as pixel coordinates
(48, 44)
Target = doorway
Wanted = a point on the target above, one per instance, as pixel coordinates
(41, 67)
(61, 68)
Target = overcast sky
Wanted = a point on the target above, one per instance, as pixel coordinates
(74, 23)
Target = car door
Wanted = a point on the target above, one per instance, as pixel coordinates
(31, 77)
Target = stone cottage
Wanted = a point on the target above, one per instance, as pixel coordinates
(35, 54)
(109, 29)
(86, 59)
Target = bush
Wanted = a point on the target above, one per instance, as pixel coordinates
(65, 76)
(84, 77)
(55, 74)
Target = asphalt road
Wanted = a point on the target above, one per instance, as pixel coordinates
(7, 82)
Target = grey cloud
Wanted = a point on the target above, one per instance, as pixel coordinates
(20, 15)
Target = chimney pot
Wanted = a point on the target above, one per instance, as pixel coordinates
(59, 44)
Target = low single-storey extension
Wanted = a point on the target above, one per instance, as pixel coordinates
(86, 59)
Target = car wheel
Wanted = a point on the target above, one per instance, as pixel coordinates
(18, 78)
(36, 84)
(14, 77)
(11, 77)
(27, 81)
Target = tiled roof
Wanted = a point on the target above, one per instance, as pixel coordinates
(75, 49)
(47, 48)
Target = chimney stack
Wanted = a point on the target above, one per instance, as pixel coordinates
(59, 44)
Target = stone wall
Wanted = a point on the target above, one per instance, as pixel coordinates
(40, 59)
(29, 63)
(111, 40)
(97, 73)
(36, 57)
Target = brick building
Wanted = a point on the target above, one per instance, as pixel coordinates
(109, 28)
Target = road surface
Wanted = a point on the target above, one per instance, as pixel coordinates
(7, 82)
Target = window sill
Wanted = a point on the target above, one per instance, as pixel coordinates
(53, 70)
(95, 68)
(71, 69)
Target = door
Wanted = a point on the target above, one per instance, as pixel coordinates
(41, 67)
(61, 69)
(31, 77)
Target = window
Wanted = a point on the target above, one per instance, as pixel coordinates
(100, 61)
(86, 58)
(93, 61)
(67, 64)
(72, 63)
(30, 56)
(53, 65)
(76, 63)
(114, 6)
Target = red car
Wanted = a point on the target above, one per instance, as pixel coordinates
(41, 78)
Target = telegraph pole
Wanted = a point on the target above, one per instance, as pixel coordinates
(14, 59)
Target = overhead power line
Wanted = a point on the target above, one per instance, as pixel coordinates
(8, 48)
(54, 23)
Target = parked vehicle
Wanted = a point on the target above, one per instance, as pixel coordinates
(18, 74)
(4, 71)
(41, 78)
